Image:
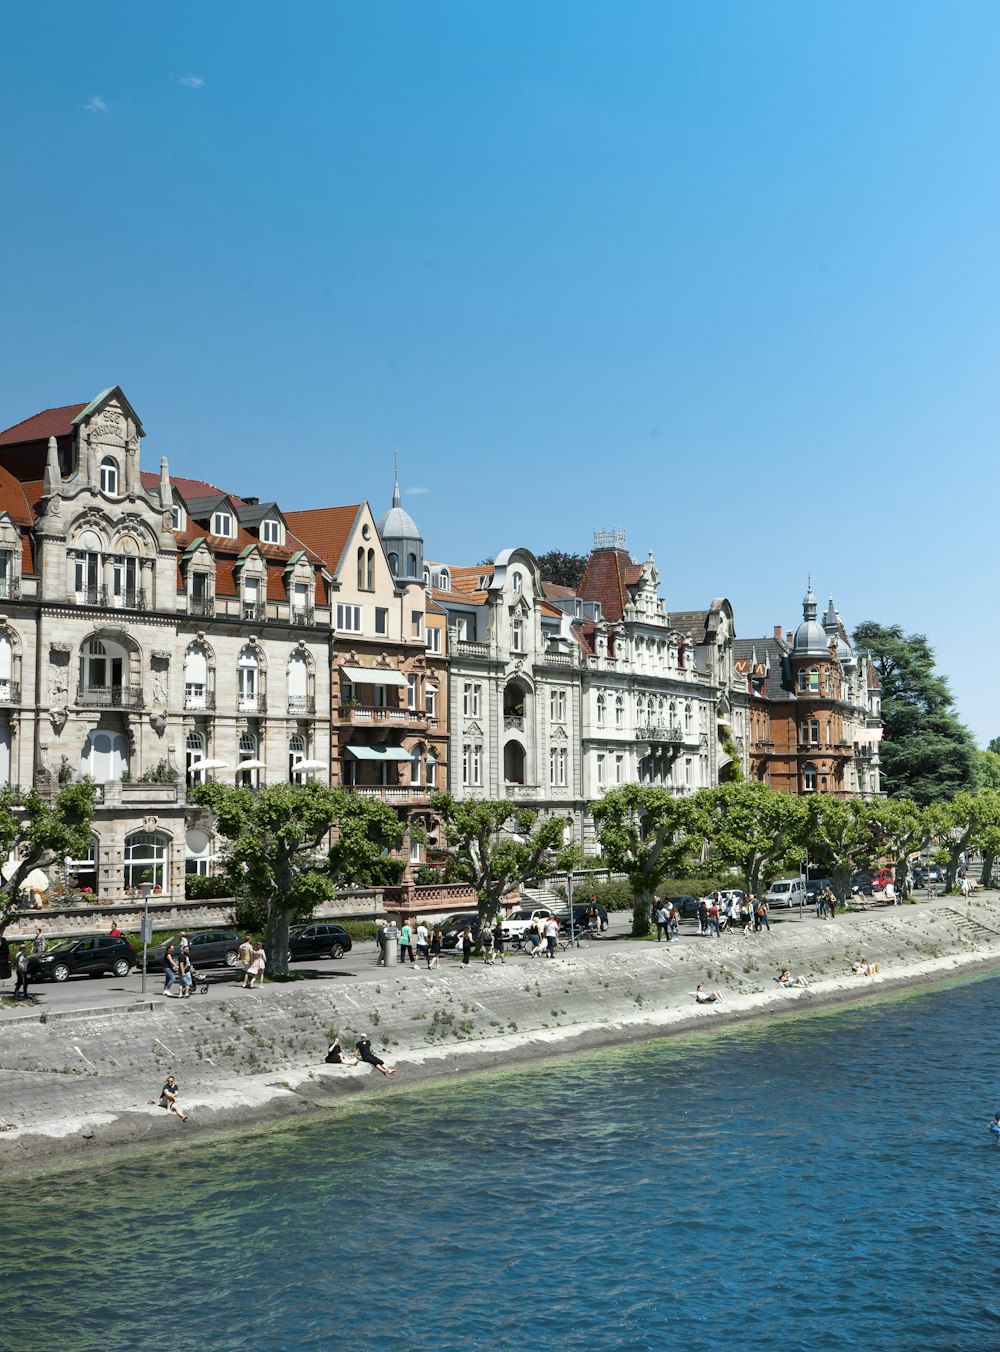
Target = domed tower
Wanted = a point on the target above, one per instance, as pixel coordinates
(403, 542)
(816, 680)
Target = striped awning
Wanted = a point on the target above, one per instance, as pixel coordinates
(373, 676)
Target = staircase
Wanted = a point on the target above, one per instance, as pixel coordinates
(969, 929)
(542, 896)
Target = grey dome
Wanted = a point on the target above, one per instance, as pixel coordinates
(810, 638)
(401, 538)
(398, 524)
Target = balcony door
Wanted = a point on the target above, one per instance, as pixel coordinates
(105, 756)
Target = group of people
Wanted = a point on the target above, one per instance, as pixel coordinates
(416, 944)
(364, 1053)
(719, 912)
(826, 903)
(864, 968)
(178, 968)
(251, 960)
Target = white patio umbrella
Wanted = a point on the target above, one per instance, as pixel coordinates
(309, 766)
(34, 881)
(252, 765)
(210, 765)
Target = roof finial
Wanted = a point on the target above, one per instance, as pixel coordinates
(53, 478)
(395, 485)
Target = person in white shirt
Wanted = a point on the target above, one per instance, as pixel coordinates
(551, 931)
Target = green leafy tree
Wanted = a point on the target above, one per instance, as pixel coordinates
(41, 830)
(987, 835)
(366, 830)
(994, 745)
(843, 837)
(754, 829)
(988, 769)
(926, 753)
(901, 828)
(278, 848)
(957, 822)
(566, 570)
(649, 835)
(497, 846)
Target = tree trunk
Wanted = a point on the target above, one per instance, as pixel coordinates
(841, 884)
(987, 873)
(276, 938)
(642, 899)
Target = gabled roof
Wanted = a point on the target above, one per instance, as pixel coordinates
(51, 422)
(325, 530)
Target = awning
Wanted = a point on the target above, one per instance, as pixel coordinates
(373, 676)
(377, 753)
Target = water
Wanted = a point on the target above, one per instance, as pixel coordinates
(824, 1181)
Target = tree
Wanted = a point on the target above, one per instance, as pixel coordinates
(566, 570)
(956, 822)
(926, 753)
(994, 745)
(649, 835)
(497, 846)
(843, 837)
(755, 829)
(40, 831)
(987, 836)
(988, 769)
(276, 852)
(367, 829)
(902, 829)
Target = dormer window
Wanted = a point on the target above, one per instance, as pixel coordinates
(270, 531)
(444, 581)
(516, 581)
(177, 517)
(109, 476)
(222, 524)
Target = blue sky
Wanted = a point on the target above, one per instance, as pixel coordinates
(724, 275)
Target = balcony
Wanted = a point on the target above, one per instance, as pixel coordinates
(91, 596)
(252, 610)
(130, 598)
(199, 698)
(303, 617)
(201, 605)
(864, 752)
(301, 704)
(523, 793)
(393, 794)
(10, 692)
(110, 696)
(658, 732)
(10, 588)
(463, 647)
(252, 704)
(367, 715)
(556, 659)
(513, 723)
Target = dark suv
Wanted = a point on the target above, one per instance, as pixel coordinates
(208, 948)
(318, 941)
(89, 955)
(580, 922)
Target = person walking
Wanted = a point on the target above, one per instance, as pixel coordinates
(434, 956)
(406, 944)
(257, 966)
(498, 939)
(703, 916)
(662, 921)
(551, 934)
(21, 972)
(184, 973)
(466, 946)
(713, 919)
(423, 941)
(762, 921)
(169, 969)
(487, 946)
(38, 943)
(381, 938)
(244, 957)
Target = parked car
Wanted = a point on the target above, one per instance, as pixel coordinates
(927, 873)
(861, 884)
(520, 921)
(816, 885)
(882, 877)
(318, 941)
(580, 910)
(786, 892)
(687, 906)
(453, 927)
(4, 957)
(87, 955)
(208, 948)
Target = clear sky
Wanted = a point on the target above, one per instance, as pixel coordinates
(724, 275)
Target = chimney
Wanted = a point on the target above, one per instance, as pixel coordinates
(777, 632)
(788, 638)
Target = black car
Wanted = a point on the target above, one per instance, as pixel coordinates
(4, 957)
(89, 955)
(453, 927)
(687, 907)
(818, 885)
(318, 940)
(208, 948)
(862, 883)
(580, 920)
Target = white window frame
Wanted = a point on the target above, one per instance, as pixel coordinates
(222, 524)
(270, 531)
(348, 618)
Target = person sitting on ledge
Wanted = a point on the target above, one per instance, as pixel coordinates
(786, 979)
(363, 1047)
(705, 997)
(865, 968)
(335, 1055)
(168, 1098)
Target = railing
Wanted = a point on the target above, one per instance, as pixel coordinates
(131, 598)
(10, 588)
(464, 647)
(252, 704)
(110, 696)
(91, 596)
(301, 704)
(392, 793)
(377, 713)
(199, 699)
(201, 605)
(522, 792)
(558, 659)
(513, 723)
(303, 617)
(864, 752)
(10, 692)
(658, 732)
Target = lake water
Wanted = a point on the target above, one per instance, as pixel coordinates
(823, 1181)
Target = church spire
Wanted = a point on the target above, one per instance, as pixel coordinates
(395, 487)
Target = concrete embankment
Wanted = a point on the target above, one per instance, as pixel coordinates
(77, 1082)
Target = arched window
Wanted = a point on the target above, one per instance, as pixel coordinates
(432, 770)
(247, 779)
(196, 677)
(650, 709)
(809, 779)
(109, 476)
(619, 711)
(145, 859)
(296, 753)
(248, 681)
(104, 756)
(802, 680)
(394, 564)
(687, 718)
(602, 708)
(370, 583)
(416, 765)
(361, 569)
(673, 713)
(445, 582)
(194, 754)
(298, 684)
(411, 565)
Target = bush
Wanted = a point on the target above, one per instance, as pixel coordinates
(613, 896)
(361, 931)
(197, 888)
(696, 887)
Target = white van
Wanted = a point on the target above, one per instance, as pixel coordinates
(786, 892)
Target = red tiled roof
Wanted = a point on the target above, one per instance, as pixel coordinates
(14, 499)
(51, 422)
(605, 580)
(325, 530)
(547, 608)
(556, 590)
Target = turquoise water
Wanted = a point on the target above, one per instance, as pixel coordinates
(824, 1182)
